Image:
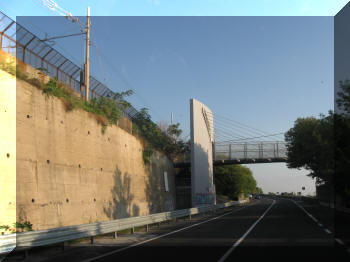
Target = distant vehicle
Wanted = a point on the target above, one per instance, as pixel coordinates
(257, 197)
(250, 196)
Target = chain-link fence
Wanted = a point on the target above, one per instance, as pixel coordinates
(18, 41)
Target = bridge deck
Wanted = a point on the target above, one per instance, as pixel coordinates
(236, 161)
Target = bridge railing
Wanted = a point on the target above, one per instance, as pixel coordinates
(31, 239)
(251, 150)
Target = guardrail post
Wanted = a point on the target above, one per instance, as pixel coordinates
(158, 224)
(91, 240)
(147, 228)
(115, 235)
(190, 216)
(132, 230)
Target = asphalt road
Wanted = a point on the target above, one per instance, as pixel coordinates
(274, 229)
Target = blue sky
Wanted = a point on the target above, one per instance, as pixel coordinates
(264, 70)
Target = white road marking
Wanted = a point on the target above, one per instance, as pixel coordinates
(311, 216)
(327, 231)
(340, 241)
(170, 233)
(246, 233)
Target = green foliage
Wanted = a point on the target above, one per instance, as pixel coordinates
(310, 145)
(19, 227)
(234, 180)
(109, 107)
(8, 67)
(321, 145)
(258, 190)
(166, 142)
(174, 131)
(342, 142)
(5, 227)
(28, 226)
(135, 128)
(147, 153)
(343, 100)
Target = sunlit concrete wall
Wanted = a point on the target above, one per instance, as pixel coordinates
(202, 135)
(7, 149)
(69, 173)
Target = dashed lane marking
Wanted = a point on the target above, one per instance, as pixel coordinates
(246, 233)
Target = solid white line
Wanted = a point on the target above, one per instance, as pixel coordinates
(246, 233)
(340, 241)
(170, 233)
(313, 218)
(327, 231)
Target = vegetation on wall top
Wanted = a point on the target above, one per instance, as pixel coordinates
(108, 110)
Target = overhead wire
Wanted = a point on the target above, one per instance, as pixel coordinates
(226, 120)
(251, 138)
(230, 127)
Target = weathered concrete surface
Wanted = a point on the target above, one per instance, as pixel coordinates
(7, 149)
(202, 137)
(69, 173)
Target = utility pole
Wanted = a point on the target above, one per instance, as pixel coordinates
(87, 57)
(172, 119)
(52, 5)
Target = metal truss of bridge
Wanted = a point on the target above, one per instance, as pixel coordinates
(245, 153)
(250, 153)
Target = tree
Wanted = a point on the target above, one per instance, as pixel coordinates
(343, 100)
(342, 142)
(310, 145)
(157, 139)
(234, 180)
(322, 145)
(258, 190)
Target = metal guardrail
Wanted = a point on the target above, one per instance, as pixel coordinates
(46, 237)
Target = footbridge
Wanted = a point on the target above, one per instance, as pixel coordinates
(244, 153)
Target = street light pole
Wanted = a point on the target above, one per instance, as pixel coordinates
(87, 58)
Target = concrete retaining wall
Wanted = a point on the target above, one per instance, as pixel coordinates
(69, 173)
